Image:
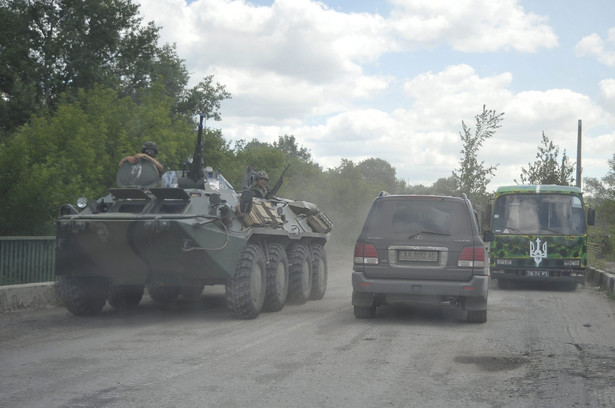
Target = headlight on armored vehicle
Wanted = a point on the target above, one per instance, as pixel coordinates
(572, 262)
(82, 202)
(503, 262)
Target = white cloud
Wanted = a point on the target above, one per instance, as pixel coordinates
(471, 25)
(594, 45)
(298, 67)
(607, 94)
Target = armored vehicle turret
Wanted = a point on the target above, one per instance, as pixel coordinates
(175, 233)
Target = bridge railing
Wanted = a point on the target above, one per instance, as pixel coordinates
(26, 259)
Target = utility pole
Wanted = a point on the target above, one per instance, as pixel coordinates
(579, 168)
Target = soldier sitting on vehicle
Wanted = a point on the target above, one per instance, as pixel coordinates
(259, 188)
(148, 152)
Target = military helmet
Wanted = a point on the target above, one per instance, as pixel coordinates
(149, 146)
(262, 175)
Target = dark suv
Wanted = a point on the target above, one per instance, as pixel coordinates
(421, 249)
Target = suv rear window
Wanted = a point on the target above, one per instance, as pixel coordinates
(407, 216)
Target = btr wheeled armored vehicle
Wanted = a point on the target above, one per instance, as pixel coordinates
(189, 228)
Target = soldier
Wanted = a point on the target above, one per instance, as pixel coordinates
(259, 188)
(148, 152)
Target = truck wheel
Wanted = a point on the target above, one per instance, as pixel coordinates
(300, 274)
(163, 294)
(477, 316)
(364, 312)
(83, 296)
(245, 292)
(191, 293)
(125, 297)
(277, 279)
(319, 272)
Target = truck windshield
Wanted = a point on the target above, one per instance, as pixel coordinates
(550, 214)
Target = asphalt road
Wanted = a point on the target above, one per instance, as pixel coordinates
(541, 347)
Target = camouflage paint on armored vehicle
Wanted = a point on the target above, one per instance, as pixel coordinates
(540, 234)
(189, 228)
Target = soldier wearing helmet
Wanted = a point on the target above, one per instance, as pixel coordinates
(149, 150)
(259, 188)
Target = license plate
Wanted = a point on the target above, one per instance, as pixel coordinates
(420, 256)
(537, 274)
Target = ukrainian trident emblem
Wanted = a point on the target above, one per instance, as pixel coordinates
(537, 252)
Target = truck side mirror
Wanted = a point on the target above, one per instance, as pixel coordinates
(591, 216)
(486, 221)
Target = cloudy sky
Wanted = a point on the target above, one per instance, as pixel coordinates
(354, 79)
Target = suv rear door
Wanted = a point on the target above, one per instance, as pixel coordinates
(419, 237)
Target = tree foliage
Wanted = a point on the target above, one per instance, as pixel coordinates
(378, 171)
(602, 193)
(547, 169)
(75, 152)
(50, 48)
(288, 145)
(473, 177)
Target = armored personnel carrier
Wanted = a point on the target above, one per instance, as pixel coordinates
(176, 233)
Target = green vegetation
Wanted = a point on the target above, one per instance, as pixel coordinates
(546, 169)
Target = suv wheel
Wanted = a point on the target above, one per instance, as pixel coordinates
(364, 312)
(477, 316)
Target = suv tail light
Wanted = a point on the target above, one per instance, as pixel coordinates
(365, 254)
(472, 257)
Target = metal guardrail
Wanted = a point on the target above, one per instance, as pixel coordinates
(26, 259)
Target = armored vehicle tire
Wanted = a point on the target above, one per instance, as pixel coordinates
(319, 272)
(300, 273)
(191, 293)
(477, 316)
(125, 297)
(163, 294)
(83, 296)
(277, 279)
(364, 312)
(245, 292)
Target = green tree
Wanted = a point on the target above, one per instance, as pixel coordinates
(288, 144)
(75, 151)
(602, 193)
(50, 48)
(546, 169)
(472, 177)
(379, 171)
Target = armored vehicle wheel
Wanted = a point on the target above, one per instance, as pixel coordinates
(83, 296)
(163, 294)
(125, 297)
(319, 272)
(191, 293)
(364, 312)
(277, 279)
(300, 273)
(245, 292)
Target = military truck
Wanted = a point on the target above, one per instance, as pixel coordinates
(176, 233)
(540, 234)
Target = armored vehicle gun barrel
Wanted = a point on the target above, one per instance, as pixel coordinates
(196, 167)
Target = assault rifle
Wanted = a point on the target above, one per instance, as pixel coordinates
(277, 185)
